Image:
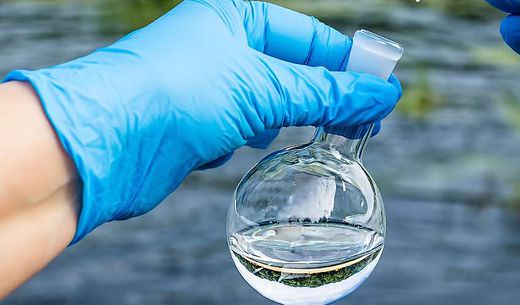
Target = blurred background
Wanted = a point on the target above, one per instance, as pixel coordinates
(447, 162)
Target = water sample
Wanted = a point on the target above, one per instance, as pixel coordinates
(307, 223)
(306, 263)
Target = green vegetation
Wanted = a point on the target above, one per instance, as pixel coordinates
(420, 99)
(469, 9)
(124, 15)
(307, 280)
(514, 203)
(322, 9)
(495, 56)
(511, 109)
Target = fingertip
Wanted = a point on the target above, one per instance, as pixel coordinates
(510, 30)
(390, 89)
(371, 99)
(392, 95)
(397, 84)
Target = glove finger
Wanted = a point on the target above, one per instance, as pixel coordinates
(509, 6)
(300, 96)
(292, 36)
(263, 140)
(397, 84)
(216, 163)
(510, 30)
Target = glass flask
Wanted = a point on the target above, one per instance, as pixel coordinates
(307, 223)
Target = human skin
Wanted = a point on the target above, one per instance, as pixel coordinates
(146, 134)
(38, 181)
(38, 206)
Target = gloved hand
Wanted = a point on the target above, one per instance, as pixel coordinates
(511, 25)
(186, 91)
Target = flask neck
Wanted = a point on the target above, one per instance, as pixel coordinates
(349, 142)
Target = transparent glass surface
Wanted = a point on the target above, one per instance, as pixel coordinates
(307, 223)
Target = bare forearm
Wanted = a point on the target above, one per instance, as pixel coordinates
(33, 164)
(38, 206)
(34, 236)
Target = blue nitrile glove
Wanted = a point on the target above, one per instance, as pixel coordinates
(511, 25)
(186, 91)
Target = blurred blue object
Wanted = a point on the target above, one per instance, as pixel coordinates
(509, 6)
(186, 91)
(510, 28)
(511, 32)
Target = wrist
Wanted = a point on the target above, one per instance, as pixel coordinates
(107, 111)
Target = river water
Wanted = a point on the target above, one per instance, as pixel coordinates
(447, 163)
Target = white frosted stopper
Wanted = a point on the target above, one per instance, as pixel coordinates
(373, 54)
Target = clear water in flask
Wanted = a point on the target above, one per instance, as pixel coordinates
(307, 223)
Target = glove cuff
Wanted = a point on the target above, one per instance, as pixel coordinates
(61, 108)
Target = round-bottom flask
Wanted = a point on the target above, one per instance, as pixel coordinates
(307, 224)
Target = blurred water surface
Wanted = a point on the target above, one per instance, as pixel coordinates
(447, 162)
